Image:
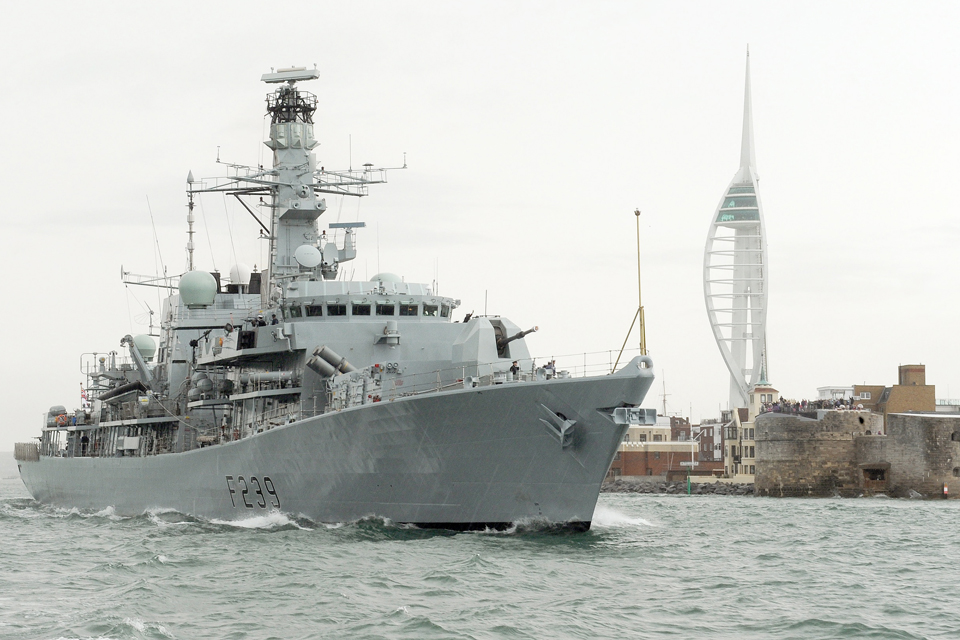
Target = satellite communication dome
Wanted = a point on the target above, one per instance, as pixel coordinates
(308, 256)
(386, 277)
(240, 274)
(146, 346)
(197, 289)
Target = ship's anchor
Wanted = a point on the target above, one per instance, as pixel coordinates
(559, 427)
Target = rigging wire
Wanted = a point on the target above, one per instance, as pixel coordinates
(226, 212)
(156, 242)
(206, 230)
(129, 313)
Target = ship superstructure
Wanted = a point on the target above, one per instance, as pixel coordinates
(299, 390)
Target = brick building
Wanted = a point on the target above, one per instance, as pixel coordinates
(911, 393)
(650, 451)
(709, 433)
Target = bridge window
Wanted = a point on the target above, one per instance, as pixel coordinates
(430, 310)
(385, 309)
(336, 309)
(361, 309)
(408, 309)
(314, 310)
(445, 311)
(741, 190)
(294, 312)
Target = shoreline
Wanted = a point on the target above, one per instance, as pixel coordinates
(678, 487)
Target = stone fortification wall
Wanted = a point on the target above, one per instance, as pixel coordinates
(922, 451)
(799, 456)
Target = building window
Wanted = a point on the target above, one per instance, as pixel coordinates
(752, 454)
(642, 437)
(864, 395)
(753, 469)
(682, 436)
(656, 455)
(626, 437)
(955, 436)
(617, 456)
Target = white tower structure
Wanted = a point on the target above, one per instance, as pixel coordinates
(735, 271)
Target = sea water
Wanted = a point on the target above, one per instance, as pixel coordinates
(652, 566)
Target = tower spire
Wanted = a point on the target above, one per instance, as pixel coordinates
(735, 271)
(748, 158)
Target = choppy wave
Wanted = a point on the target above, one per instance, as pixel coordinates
(650, 567)
(607, 517)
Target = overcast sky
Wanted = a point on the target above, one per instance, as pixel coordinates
(532, 131)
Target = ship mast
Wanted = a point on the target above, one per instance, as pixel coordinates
(292, 186)
(189, 223)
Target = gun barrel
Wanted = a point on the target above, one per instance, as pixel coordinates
(505, 341)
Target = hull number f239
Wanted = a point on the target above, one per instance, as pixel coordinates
(252, 492)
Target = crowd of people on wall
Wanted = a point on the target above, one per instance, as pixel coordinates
(802, 406)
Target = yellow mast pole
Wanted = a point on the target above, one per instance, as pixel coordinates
(639, 313)
(643, 331)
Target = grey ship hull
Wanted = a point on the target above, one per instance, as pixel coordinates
(464, 459)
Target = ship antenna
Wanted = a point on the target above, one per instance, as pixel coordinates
(639, 313)
(643, 328)
(190, 221)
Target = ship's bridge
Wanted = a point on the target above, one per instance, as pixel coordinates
(385, 297)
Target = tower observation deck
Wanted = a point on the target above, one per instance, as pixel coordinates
(735, 270)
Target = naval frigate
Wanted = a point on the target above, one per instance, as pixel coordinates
(295, 389)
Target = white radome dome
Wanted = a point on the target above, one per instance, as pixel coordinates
(197, 289)
(146, 346)
(240, 274)
(386, 277)
(308, 256)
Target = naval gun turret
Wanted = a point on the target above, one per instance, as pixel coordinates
(502, 341)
